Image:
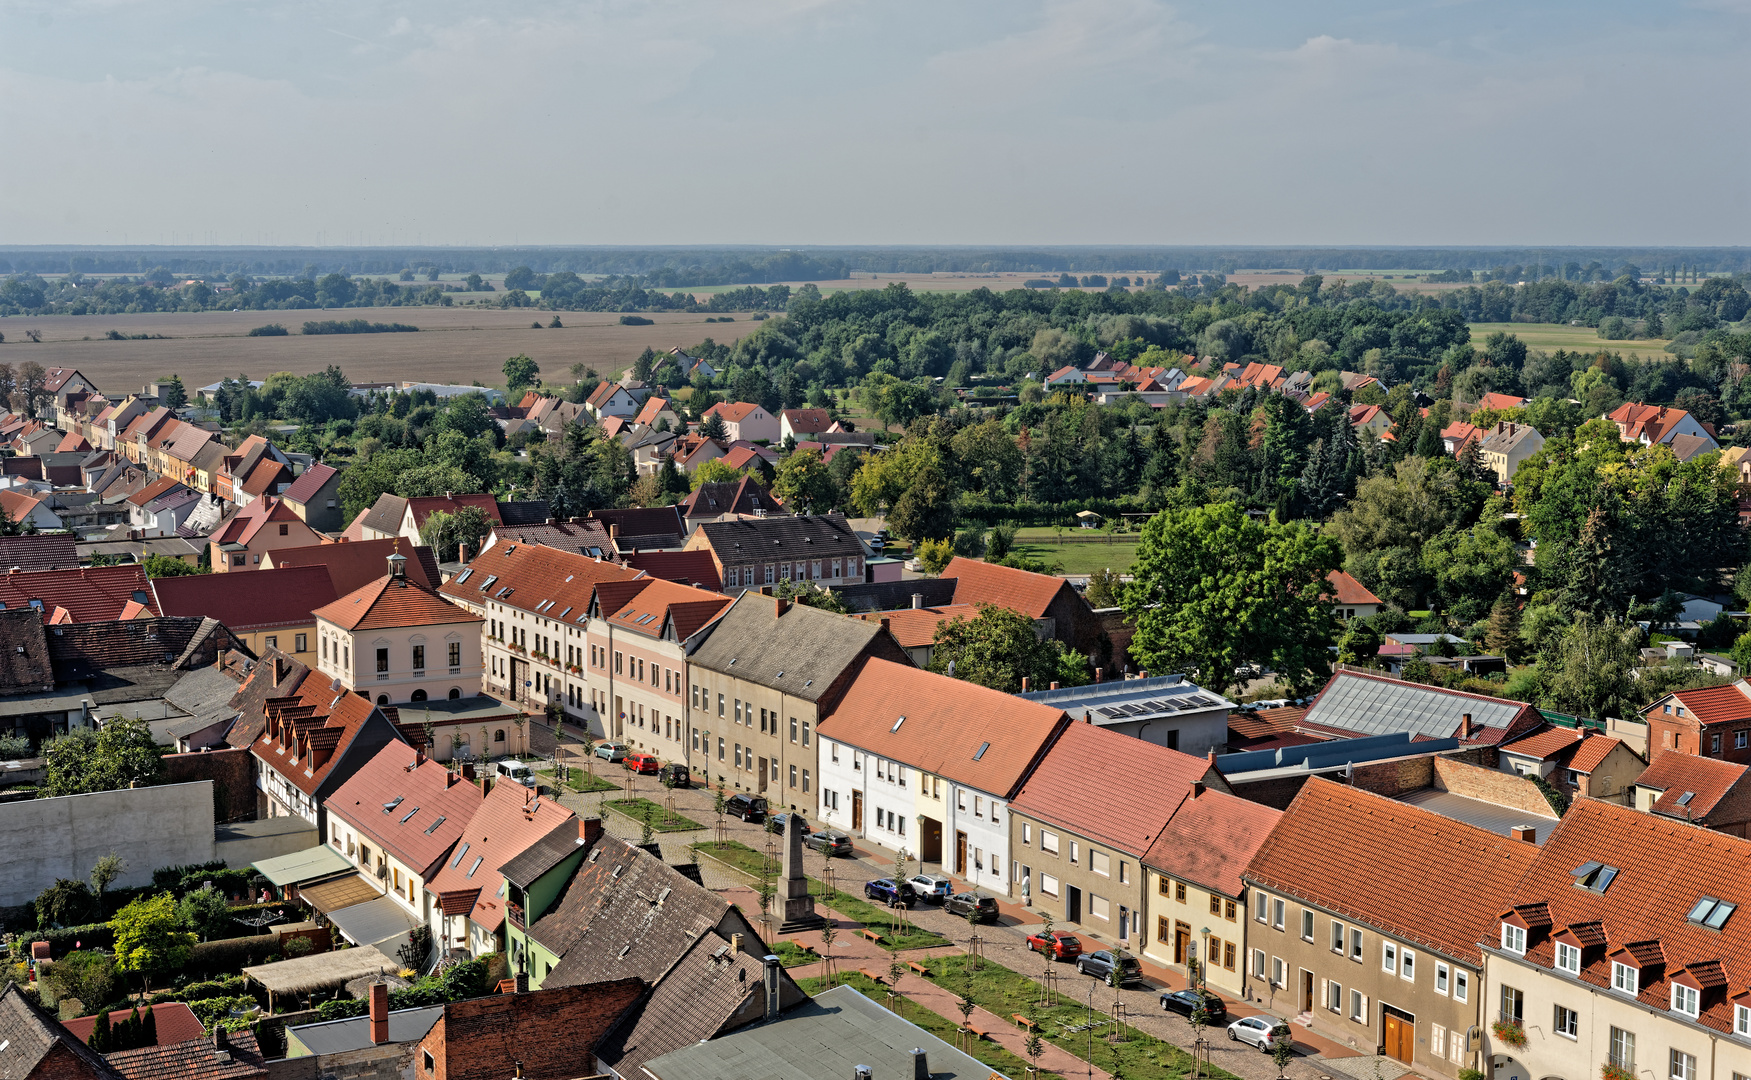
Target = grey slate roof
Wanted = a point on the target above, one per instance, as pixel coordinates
(28, 1035)
(540, 857)
(1373, 706)
(40, 551)
(702, 994)
(768, 539)
(800, 652)
(354, 1033)
(386, 514)
(893, 595)
(822, 1039)
(524, 512)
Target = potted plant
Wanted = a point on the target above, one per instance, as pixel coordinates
(1509, 1033)
(1608, 1071)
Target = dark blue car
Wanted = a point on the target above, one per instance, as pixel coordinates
(887, 891)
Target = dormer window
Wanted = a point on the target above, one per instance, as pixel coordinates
(1742, 1021)
(1568, 958)
(1685, 1000)
(1514, 939)
(1625, 979)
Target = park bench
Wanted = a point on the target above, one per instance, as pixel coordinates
(919, 968)
(879, 977)
(1024, 1023)
(976, 1032)
(871, 935)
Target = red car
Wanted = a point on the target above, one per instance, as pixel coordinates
(1058, 946)
(643, 763)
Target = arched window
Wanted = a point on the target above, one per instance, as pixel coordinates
(499, 735)
(455, 693)
(419, 695)
(382, 699)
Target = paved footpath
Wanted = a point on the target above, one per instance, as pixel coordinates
(1004, 942)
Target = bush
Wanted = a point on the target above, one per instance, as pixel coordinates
(63, 939)
(215, 1011)
(341, 1009)
(66, 902)
(168, 878)
(232, 986)
(635, 320)
(356, 326)
(934, 555)
(272, 329)
(222, 958)
(13, 747)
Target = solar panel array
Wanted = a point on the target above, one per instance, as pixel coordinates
(1379, 707)
(1157, 706)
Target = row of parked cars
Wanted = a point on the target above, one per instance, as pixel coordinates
(931, 889)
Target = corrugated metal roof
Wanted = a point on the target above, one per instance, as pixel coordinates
(1382, 706)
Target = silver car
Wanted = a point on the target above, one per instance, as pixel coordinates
(932, 887)
(1263, 1032)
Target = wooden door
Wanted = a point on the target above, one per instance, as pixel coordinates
(857, 809)
(961, 854)
(1182, 937)
(1400, 1037)
(1306, 990)
(762, 775)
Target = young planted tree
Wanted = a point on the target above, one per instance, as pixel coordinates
(899, 905)
(1283, 1051)
(720, 802)
(767, 891)
(104, 874)
(896, 972)
(828, 934)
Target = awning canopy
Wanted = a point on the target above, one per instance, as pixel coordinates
(380, 922)
(320, 971)
(329, 897)
(318, 862)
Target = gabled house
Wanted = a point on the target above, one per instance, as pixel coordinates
(725, 499)
(746, 421)
(938, 787)
(613, 399)
(1701, 791)
(764, 551)
(315, 497)
(269, 610)
(580, 536)
(1620, 945)
(690, 366)
(1455, 437)
(1500, 402)
(27, 508)
(1341, 936)
(264, 525)
(1371, 418)
(1711, 721)
(82, 594)
(1507, 445)
(649, 627)
(802, 424)
(1076, 849)
(1351, 599)
(657, 410)
(311, 744)
(358, 562)
(468, 891)
(1059, 612)
(1654, 425)
(399, 641)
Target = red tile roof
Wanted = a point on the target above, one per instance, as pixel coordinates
(308, 485)
(72, 442)
(914, 628)
(154, 490)
(808, 421)
(17, 504)
(1664, 867)
(653, 406)
(356, 563)
(958, 730)
(193, 1059)
(695, 567)
(259, 600)
(425, 506)
(732, 411)
(174, 1021)
(436, 806)
(88, 594)
(307, 734)
(525, 576)
(1336, 846)
(242, 527)
(1543, 745)
(1706, 780)
(1141, 786)
(1710, 704)
(1211, 838)
(659, 606)
(506, 822)
(392, 602)
(1500, 401)
(978, 582)
(1347, 590)
(1593, 751)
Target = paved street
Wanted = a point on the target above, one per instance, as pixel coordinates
(1005, 943)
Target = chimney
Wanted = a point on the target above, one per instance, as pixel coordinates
(1526, 834)
(590, 830)
(771, 979)
(861, 1072)
(917, 600)
(1054, 686)
(221, 1044)
(468, 770)
(522, 982)
(779, 607)
(1197, 787)
(1142, 674)
(462, 553)
(1100, 674)
(1211, 757)
(920, 1065)
(449, 777)
(1465, 725)
(884, 623)
(379, 1013)
(1088, 716)
(735, 944)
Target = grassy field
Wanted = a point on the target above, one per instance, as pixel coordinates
(639, 809)
(455, 345)
(581, 781)
(1553, 336)
(1082, 551)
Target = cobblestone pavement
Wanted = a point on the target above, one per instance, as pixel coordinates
(1004, 943)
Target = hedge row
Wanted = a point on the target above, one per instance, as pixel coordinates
(215, 959)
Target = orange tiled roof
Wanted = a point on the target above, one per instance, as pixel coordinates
(505, 823)
(1593, 751)
(1676, 774)
(979, 582)
(1709, 704)
(732, 411)
(551, 582)
(1211, 838)
(392, 602)
(1348, 590)
(959, 730)
(1543, 745)
(658, 605)
(1500, 401)
(434, 806)
(306, 734)
(914, 628)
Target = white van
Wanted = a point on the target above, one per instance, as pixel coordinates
(512, 769)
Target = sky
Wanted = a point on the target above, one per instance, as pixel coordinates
(796, 122)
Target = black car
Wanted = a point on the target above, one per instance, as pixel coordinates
(1185, 1002)
(967, 903)
(888, 891)
(829, 842)
(746, 807)
(676, 776)
(1100, 965)
(777, 823)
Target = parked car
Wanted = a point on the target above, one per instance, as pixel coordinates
(1261, 1032)
(746, 807)
(1185, 1002)
(933, 888)
(1058, 946)
(890, 892)
(514, 770)
(611, 751)
(779, 822)
(829, 842)
(1100, 965)
(645, 764)
(964, 904)
(676, 775)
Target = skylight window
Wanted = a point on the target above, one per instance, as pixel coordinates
(1595, 877)
(457, 861)
(409, 814)
(478, 859)
(984, 746)
(1712, 913)
(1684, 799)
(433, 827)
(487, 584)
(896, 726)
(392, 804)
(464, 575)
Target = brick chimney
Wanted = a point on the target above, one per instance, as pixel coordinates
(1024, 683)
(779, 607)
(1198, 786)
(590, 829)
(462, 553)
(1211, 757)
(1465, 725)
(1100, 674)
(1054, 686)
(379, 1013)
(1526, 834)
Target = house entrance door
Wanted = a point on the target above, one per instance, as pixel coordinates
(1073, 904)
(1182, 937)
(1306, 991)
(930, 840)
(857, 810)
(960, 854)
(1399, 1034)
(762, 774)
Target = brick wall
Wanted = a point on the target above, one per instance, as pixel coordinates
(232, 772)
(542, 740)
(1491, 786)
(1389, 778)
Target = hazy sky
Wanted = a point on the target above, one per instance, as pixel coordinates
(874, 121)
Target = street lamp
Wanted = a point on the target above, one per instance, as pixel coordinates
(1204, 971)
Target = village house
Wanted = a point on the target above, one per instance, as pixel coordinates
(1365, 964)
(267, 610)
(640, 634)
(264, 525)
(1702, 791)
(1654, 425)
(1506, 445)
(745, 421)
(719, 500)
(1352, 600)
(315, 497)
(937, 787)
(1163, 709)
(313, 741)
(1710, 721)
(1618, 948)
(613, 399)
(787, 665)
(750, 552)
(418, 645)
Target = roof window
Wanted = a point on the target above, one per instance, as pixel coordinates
(1712, 913)
(478, 859)
(896, 726)
(409, 814)
(1594, 877)
(984, 746)
(487, 584)
(457, 861)
(433, 827)
(392, 804)
(464, 575)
